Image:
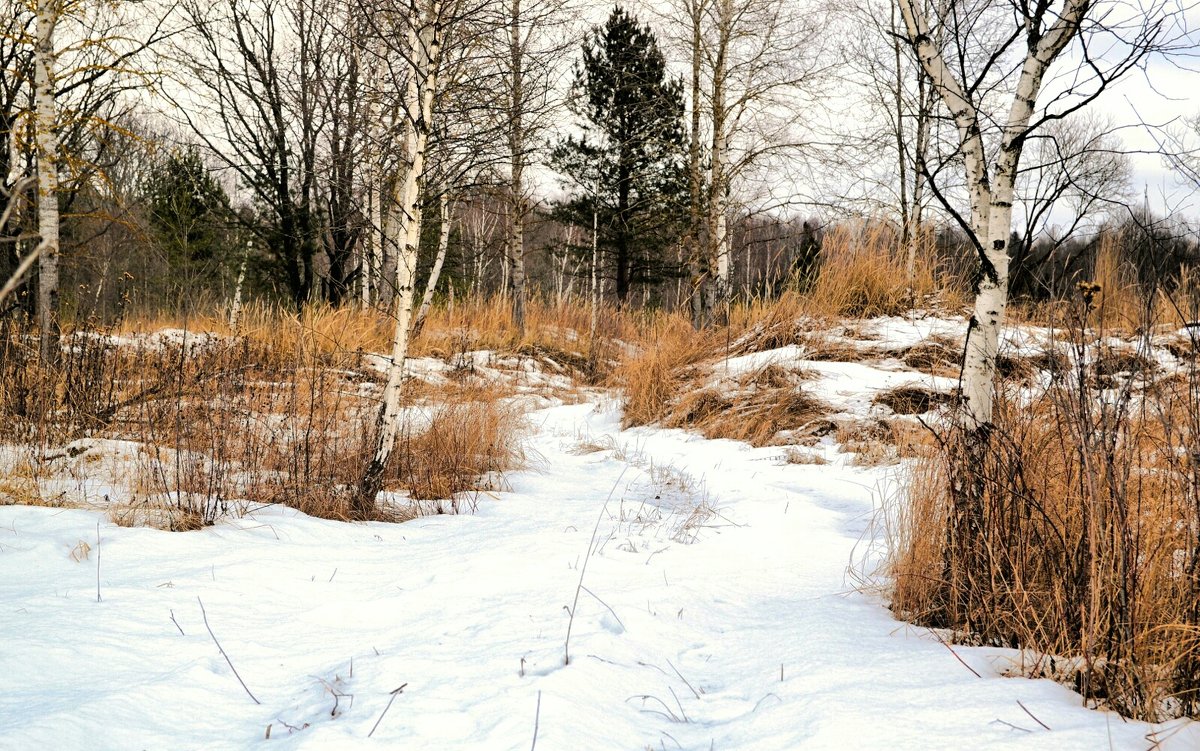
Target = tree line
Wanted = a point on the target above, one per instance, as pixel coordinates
(297, 149)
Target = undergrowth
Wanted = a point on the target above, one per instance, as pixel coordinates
(222, 422)
(1081, 545)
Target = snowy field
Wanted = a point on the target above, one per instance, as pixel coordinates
(717, 610)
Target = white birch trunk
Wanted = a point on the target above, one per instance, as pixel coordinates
(45, 59)
(435, 273)
(516, 144)
(235, 310)
(718, 240)
(595, 281)
(425, 42)
(991, 196)
(369, 244)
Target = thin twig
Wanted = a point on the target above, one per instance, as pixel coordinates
(97, 561)
(668, 713)
(395, 693)
(583, 568)
(685, 680)
(537, 715)
(678, 704)
(768, 695)
(177, 624)
(1014, 727)
(222, 651)
(27, 263)
(947, 646)
(1031, 715)
(605, 604)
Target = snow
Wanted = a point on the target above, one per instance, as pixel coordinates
(717, 614)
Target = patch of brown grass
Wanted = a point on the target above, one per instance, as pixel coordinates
(938, 355)
(652, 378)
(463, 449)
(911, 399)
(864, 273)
(1077, 545)
(756, 415)
(237, 420)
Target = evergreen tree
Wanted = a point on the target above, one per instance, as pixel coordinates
(630, 163)
(187, 211)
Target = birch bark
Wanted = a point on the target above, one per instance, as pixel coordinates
(991, 190)
(435, 274)
(424, 57)
(45, 60)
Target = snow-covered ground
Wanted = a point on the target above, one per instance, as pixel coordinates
(715, 613)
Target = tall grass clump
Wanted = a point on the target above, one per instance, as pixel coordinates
(1084, 550)
(653, 376)
(864, 273)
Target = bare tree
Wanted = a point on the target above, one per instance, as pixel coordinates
(989, 49)
(9, 198)
(82, 56)
(750, 61)
(252, 99)
(423, 27)
(530, 70)
(45, 56)
(994, 60)
(885, 139)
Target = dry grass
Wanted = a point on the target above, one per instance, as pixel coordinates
(1118, 303)
(653, 377)
(224, 422)
(911, 399)
(864, 273)
(937, 355)
(464, 447)
(1079, 541)
(877, 442)
(756, 415)
(804, 456)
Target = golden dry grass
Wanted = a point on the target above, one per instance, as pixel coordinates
(1085, 543)
(251, 418)
(653, 376)
(864, 273)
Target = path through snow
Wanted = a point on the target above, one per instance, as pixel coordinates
(748, 638)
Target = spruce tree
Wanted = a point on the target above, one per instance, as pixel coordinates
(629, 164)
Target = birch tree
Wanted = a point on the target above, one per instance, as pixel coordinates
(532, 31)
(424, 25)
(16, 70)
(252, 99)
(751, 61)
(84, 56)
(990, 48)
(45, 58)
(995, 59)
(885, 139)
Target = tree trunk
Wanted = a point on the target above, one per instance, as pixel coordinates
(46, 131)
(435, 273)
(516, 146)
(718, 193)
(991, 196)
(424, 57)
(701, 270)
